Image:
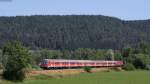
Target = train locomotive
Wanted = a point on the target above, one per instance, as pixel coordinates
(62, 63)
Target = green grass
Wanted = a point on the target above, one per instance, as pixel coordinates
(134, 77)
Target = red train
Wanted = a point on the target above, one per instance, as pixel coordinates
(61, 63)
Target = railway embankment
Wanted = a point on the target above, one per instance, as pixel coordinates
(69, 71)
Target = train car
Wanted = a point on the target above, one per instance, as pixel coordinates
(62, 63)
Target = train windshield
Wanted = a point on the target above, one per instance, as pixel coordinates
(45, 61)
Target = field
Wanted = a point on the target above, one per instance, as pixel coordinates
(123, 77)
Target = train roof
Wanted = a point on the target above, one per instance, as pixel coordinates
(64, 60)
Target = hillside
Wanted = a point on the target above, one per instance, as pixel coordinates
(74, 31)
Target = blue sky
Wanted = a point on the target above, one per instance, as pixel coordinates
(124, 9)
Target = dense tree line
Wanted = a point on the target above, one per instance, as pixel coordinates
(78, 54)
(73, 32)
(133, 57)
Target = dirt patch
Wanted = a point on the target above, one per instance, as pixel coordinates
(57, 72)
(65, 71)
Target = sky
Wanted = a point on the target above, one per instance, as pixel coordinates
(123, 9)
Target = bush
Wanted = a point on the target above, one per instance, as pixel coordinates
(147, 67)
(36, 68)
(129, 67)
(14, 75)
(87, 69)
(17, 62)
(141, 61)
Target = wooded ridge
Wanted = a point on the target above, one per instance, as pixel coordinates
(73, 31)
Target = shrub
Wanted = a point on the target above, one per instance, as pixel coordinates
(36, 68)
(141, 61)
(147, 67)
(87, 69)
(14, 75)
(17, 61)
(129, 67)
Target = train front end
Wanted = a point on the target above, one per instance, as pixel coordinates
(44, 63)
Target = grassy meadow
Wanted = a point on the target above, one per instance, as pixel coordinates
(123, 77)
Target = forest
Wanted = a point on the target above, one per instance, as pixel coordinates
(70, 32)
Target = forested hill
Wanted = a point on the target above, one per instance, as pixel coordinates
(74, 31)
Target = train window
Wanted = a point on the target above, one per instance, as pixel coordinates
(72, 62)
(98, 63)
(56, 62)
(63, 63)
(44, 62)
(78, 62)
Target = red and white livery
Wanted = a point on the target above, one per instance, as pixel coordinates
(61, 63)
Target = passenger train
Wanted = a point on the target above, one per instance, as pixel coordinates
(62, 63)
